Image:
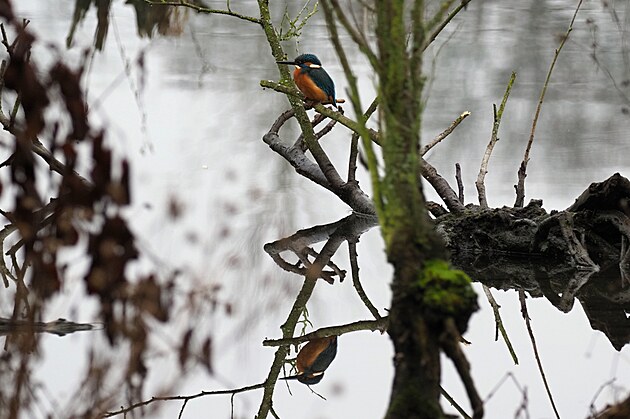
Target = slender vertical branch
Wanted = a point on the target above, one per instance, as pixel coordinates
(328, 6)
(354, 143)
(483, 170)
(522, 171)
(460, 183)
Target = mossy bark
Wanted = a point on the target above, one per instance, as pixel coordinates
(407, 230)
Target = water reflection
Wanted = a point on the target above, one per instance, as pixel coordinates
(587, 136)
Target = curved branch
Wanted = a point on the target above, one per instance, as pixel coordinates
(441, 186)
(203, 9)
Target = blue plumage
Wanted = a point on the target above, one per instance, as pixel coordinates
(312, 79)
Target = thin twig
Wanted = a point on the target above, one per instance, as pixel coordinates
(354, 143)
(357, 36)
(181, 411)
(521, 297)
(127, 409)
(453, 403)
(445, 22)
(483, 170)
(202, 9)
(522, 171)
(444, 133)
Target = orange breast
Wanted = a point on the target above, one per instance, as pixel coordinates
(308, 87)
(309, 352)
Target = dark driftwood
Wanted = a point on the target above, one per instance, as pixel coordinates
(581, 252)
(590, 233)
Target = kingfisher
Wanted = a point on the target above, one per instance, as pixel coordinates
(313, 359)
(312, 79)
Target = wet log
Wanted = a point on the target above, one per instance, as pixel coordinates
(580, 253)
(592, 232)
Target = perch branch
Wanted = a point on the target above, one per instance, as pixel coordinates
(337, 116)
(372, 325)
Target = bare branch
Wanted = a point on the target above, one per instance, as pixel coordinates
(446, 21)
(357, 36)
(354, 267)
(522, 171)
(483, 170)
(444, 133)
(134, 406)
(202, 9)
(460, 183)
(441, 186)
(354, 144)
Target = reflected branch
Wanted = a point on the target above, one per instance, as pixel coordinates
(354, 267)
(521, 297)
(499, 323)
(349, 228)
(124, 411)
(372, 325)
(449, 342)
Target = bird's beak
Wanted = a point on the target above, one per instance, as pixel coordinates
(286, 62)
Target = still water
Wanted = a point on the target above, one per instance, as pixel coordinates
(191, 121)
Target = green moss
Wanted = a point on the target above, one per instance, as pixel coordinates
(446, 290)
(412, 401)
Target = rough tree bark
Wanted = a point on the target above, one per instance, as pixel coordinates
(413, 248)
